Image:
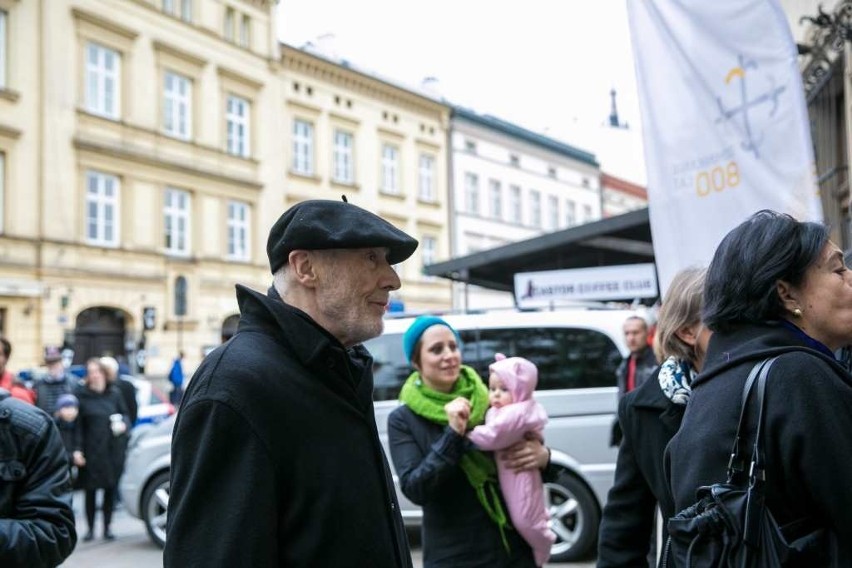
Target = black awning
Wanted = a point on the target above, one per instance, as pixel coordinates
(625, 239)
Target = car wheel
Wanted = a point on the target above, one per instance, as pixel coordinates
(574, 517)
(155, 505)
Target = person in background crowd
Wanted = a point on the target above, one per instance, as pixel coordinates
(776, 287)
(276, 457)
(649, 416)
(125, 387)
(464, 514)
(513, 413)
(58, 381)
(36, 517)
(176, 378)
(634, 369)
(100, 443)
(9, 381)
(65, 416)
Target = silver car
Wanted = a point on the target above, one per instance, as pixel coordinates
(576, 352)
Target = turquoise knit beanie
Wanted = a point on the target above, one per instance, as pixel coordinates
(416, 329)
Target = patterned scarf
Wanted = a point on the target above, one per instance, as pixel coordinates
(676, 376)
(480, 469)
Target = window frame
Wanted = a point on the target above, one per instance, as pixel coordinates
(176, 101)
(495, 199)
(237, 231)
(516, 204)
(343, 157)
(238, 143)
(390, 169)
(102, 203)
(471, 193)
(535, 208)
(96, 97)
(4, 49)
(302, 161)
(426, 178)
(175, 212)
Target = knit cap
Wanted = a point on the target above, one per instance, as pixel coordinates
(416, 329)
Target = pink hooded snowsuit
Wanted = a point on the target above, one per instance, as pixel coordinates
(523, 491)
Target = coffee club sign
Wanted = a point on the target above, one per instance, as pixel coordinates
(608, 283)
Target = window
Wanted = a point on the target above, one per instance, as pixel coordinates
(180, 8)
(103, 80)
(570, 213)
(102, 209)
(177, 106)
(470, 146)
(553, 211)
(495, 199)
(515, 160)
(303, 147)
(428, 246)
(535, 208)
(426, 178)
(180, 296)
(344, 165)
(245, 31)
(4, 16)
(471, 193)
(390, 169)
(230, 20)
(238, 231)
(515, 204)
(587, 213)
(176, 221)
(237, 117)
(551, 172)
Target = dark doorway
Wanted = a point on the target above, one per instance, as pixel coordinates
(229, 327)
(99, 331)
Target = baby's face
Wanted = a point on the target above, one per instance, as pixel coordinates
(498, 395)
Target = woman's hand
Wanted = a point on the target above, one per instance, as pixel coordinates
(79, 460)
(458, 413)
(526, 455)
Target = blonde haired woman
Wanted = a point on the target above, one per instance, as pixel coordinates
(649, 417)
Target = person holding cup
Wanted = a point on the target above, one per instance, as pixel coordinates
(102, 426)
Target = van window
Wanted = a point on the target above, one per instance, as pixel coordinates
(567, 358)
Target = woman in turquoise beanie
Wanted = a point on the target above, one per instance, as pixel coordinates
(465, 522)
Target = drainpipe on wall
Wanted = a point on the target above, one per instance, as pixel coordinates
(39, 272)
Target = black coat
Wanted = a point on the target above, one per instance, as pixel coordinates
(128, 395)
(103, 450)
(648, 421)
(276, 458)
(457, 531)
(807, 428)
(36, 518)
(645, 365)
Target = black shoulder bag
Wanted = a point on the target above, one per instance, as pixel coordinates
(730, 525)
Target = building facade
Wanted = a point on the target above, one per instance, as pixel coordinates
(383, 146)
(510, 184)
(620, 196)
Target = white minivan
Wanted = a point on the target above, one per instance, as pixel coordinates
(577, 352)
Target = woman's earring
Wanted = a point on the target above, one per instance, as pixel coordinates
(797, 312)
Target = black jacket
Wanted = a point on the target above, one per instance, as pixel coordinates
(648, 421)
(807, 428)
(645, 365)
(103, 450)
(457, 531)
(36, 518)
(276, 458)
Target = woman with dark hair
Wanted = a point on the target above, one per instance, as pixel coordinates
(649, 416)
(776, 287)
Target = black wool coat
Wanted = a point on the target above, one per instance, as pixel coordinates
(807, 428)
(457, 531)
(103, 450)
(645, 365)
(276, 458)
(648, 421)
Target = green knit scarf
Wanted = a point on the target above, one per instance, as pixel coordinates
(480, 469)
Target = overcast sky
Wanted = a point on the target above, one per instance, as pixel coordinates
(547, 65)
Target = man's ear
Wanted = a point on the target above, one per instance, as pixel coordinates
(302, 265)
(788, 295)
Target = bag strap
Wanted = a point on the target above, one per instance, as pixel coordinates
(736, 463)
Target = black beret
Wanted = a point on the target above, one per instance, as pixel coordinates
(323, 224)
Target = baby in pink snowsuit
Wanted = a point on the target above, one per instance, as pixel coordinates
(512, 414)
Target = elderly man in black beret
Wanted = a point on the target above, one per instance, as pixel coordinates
(276, 459)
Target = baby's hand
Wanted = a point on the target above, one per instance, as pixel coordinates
(458, 413)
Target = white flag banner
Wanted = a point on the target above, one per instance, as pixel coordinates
(724, 122)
